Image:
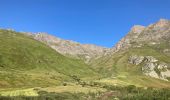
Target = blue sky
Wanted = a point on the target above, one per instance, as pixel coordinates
(100, 22)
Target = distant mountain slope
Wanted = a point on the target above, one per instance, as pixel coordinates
(86, 52)
(144, 51)
(26, 62)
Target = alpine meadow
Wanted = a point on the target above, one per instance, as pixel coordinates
(44, 66)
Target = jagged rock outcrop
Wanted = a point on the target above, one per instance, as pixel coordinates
(140, 35)
(151, 66)
(162, 66)
(150, 59)
(71, 48)
(136, 59)
(149, 70)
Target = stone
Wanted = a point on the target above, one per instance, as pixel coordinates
(136, 59)
(137, 28)
(150, 59)
(151, 34)
(162, 66)
(148, 67)
(165, 74)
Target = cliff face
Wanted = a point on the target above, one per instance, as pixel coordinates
(151, 66)
(71, 48)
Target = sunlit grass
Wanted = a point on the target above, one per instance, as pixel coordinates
(20, 92)
(73, 89)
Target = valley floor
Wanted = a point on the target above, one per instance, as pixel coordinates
(103, 89)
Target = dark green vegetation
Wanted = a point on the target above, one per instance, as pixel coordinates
(28, 63)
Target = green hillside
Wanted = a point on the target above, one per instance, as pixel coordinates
(123, 73)
(31, 68)
(26, 62)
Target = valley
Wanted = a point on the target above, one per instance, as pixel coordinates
(41, 66)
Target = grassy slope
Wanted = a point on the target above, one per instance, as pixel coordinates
(27, 62)
(124, 73)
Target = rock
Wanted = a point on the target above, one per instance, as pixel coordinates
(150, 59)
(151, 67)
(148, 69)
(162, 66)
(139, 59)
(125, 42)
(151, 35)
(136, 59)
(165, 74)
(153, 74)
(137, 29)
(166, 50)
(161, 23)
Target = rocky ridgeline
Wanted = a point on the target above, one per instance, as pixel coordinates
(151, 66)
(71, 48)
(140, 35)
(137, 37)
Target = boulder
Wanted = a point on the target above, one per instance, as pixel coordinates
(162, 66)
(136, 59)
(148, 67)
(165, 74)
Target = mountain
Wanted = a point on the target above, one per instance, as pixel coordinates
(26, 62)
(145, 47)
(142, 56)
(70, 48)
(140, 35)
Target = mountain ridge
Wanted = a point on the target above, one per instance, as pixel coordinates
(140, 42)
(71, 48)
(140, 33)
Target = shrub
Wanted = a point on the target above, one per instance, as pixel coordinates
(64, 84)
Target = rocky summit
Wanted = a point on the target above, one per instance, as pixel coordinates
(140, 35)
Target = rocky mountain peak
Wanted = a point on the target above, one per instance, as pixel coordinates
(139, 35)
(137, 28)
(162, 23)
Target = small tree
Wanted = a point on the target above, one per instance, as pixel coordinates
(64, 84)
